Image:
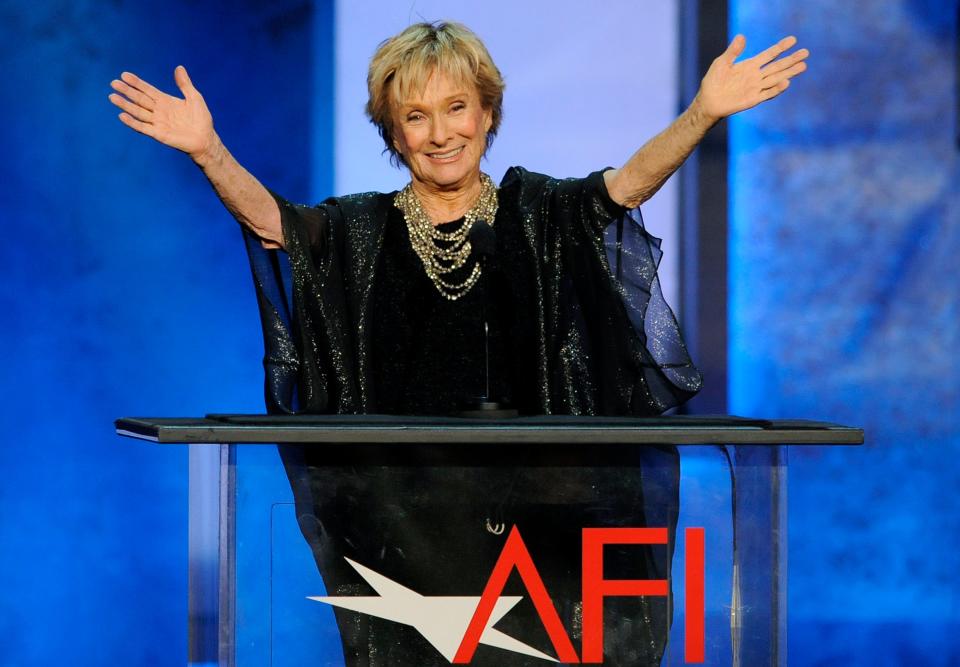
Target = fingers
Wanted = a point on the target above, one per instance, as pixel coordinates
(133, 95)
(785, 63)
(773, 91)
(774, 51)
(132, 109)
(183, 81)
(736, 47)
(139, 84)
(139, 126)
(784, 75)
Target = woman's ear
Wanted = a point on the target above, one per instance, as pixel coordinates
(395, 135)
(487, 120)
(395, 141)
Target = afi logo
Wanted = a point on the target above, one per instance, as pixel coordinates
(455, 626)
(595, 589)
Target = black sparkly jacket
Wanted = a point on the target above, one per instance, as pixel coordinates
(602, 339)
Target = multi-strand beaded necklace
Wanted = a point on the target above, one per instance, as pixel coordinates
(445, 252)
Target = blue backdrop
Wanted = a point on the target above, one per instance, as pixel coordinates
(126, 292)
(845, 232)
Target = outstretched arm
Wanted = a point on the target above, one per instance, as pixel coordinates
(186, 124)
(727, 87)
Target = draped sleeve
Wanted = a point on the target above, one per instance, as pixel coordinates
(306, 233)
(314, 303)
(610, 344)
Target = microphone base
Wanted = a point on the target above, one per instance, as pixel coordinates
(483, 408)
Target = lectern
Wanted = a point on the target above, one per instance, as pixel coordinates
(253, 581)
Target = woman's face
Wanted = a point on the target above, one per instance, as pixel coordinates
(442, 133)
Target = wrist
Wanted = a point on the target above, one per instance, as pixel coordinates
(209, 154)
(700, 116)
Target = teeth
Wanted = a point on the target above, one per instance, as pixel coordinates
(444, 156)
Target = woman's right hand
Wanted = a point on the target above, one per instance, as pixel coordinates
(184, 124)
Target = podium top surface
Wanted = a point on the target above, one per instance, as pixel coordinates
(550, 429)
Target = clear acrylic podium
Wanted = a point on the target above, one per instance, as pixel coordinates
(252, 574)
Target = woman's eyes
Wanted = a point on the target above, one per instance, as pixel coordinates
(416, 117)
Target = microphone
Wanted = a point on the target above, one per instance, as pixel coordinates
(483, 242)
(483, 239)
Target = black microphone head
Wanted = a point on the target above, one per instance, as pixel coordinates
(483, 238)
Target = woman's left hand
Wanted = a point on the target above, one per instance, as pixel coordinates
(729, 87)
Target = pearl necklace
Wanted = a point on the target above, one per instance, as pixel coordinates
(439, 260)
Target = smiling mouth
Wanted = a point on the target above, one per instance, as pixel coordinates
(449, 155)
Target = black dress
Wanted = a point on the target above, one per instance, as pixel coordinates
(435, 519)
(428, 351)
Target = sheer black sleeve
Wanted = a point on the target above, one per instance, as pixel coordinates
(306, 232)
(293, 377)
(613, 344)
(315, 304)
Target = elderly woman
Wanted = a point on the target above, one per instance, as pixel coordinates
(390, 297)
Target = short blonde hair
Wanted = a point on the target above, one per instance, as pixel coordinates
(403, 63)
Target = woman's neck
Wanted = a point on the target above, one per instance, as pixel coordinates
(444, 205)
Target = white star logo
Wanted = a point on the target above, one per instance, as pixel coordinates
(442, 620)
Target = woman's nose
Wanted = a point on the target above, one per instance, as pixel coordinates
(439, 132)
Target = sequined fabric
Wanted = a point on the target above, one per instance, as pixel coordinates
(578, 326)
(427, 350)
(591, 344)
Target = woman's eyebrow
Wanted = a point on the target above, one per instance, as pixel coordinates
(413, 105)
